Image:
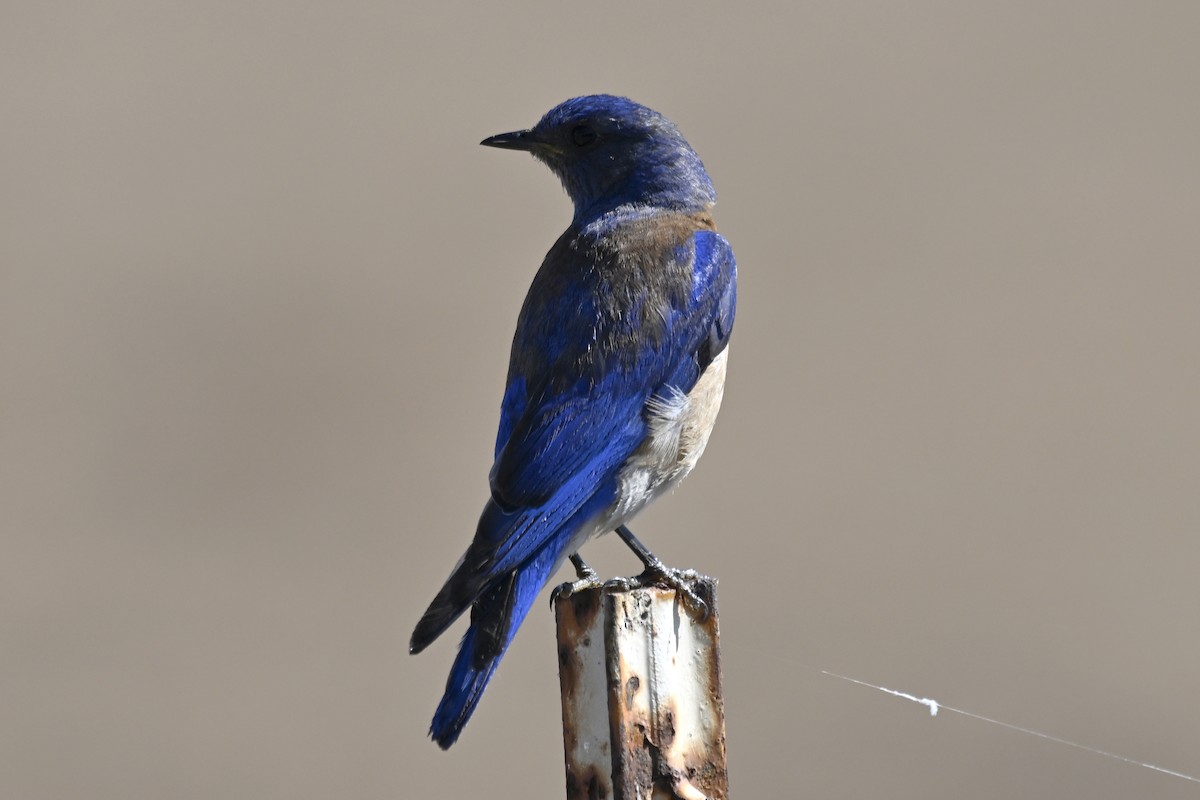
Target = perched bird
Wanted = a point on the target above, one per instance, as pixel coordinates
(614, 380)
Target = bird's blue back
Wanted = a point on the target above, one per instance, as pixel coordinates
(632, 302)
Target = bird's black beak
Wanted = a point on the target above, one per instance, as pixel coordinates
(517, 140)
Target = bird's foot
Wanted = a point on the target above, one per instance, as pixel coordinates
(570, 588)
(588, 579)
(659, 574)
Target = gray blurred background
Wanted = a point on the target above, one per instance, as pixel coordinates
(256, 292)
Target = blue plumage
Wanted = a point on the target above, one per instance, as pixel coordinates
(615, 374)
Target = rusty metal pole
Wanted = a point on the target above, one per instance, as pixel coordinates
(643, 717)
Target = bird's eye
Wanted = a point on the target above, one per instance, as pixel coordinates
(582, 135)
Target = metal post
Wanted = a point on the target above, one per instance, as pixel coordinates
(643, 716)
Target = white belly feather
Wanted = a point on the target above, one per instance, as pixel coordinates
(679, 428)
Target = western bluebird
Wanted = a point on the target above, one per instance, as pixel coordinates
(614, 379)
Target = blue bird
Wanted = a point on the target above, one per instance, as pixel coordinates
(614, 379)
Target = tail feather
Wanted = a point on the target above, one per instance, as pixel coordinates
(469, 579)
(491, 619)
(456, 596)
(495, 618)
(464, 687)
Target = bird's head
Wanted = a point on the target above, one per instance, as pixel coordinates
(611, 153)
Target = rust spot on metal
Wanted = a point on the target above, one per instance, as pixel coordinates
(579, 610)
(589, 785)
(631, 687)
(666, 727)
(568, 669)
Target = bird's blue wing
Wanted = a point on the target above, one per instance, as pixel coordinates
(715, 287)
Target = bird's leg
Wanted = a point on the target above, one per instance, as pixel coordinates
(659, 574)
(588, 579)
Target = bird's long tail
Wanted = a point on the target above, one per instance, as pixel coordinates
(495, 617)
